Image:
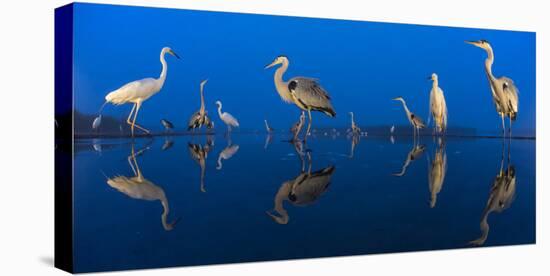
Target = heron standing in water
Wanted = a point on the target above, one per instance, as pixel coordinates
(200, 117)
(137, 92)
(415, 121)
(503, 89)
(306, 93)
(355, 130)
(227, 118)
(438, 106)
(268, 128)
(168, 126)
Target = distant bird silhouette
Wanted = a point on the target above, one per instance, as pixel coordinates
(168, 126)
(355, 130)
(268, 128)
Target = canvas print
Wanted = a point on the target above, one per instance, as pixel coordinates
(194, 137)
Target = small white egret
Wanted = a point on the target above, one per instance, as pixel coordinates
(168, 126)
(137, 92)
(268, 128)
(227, 118)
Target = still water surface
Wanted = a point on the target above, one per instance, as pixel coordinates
(173, 201)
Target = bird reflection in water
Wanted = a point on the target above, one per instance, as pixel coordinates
(268, 140)
(415, 153)
(302, 190)
(227, 153)
(436, 171)
(199, 153)
(354, 141)
(138, 187)
(501, 197)
(168, 143)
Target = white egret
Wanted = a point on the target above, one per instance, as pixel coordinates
(438, 106)
(168, 126)
(227, 118)
(137, 92)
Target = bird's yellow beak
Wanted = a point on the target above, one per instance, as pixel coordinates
(395, 99)
(271, 64)
(475, 43)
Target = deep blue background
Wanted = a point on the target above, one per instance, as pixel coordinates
(362, 65)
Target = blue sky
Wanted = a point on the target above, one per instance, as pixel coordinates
(362, 65)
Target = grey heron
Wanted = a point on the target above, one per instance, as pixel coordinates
(438, 105)
(268, 128)
(416, 122)
(503, 89)
(306, 93)
(137, 92)
(168, 126)
(200, 117)
(302, 190)
(355, 130)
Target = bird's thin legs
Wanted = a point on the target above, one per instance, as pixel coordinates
(138, 106)
(503, 126)
(129, 117)
(308, 126)
(510, 128)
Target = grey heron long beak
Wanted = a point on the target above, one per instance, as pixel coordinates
(475, 43)
(270, 65)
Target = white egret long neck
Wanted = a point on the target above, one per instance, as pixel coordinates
(164, 71)
(280, 84)
(435, 84)
(489, 63)
(266, 125)
(352, 121)
(220, 109)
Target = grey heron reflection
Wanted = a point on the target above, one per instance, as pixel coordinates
(503, 192)
(199, 153)
(138, 187)
(302, 190)
(415, 153)
(437, 169)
